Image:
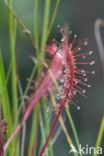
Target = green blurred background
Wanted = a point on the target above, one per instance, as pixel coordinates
(80, 15)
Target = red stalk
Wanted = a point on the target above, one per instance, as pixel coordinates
(1, 152)
(51, 131)
(52, 128)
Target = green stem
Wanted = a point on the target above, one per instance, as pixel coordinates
(34, 132)
(8, 73)
(4, 98)
(54, 15)
(23, 140)
(45, 27)
(47, 127)
(24, 126)
(73, 128)
(36, 22)
(100, 135)
(43, 132)
(12, 38)
(13, 61)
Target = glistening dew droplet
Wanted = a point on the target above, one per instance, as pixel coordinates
(91, 63)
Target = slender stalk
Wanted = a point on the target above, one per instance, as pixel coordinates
(69, 140)
(13, 61)
(73, 128)
(36, 22)
(45, 27)
(34, 132)
(12, 38)
(100, 135)
(17, 130)
(4, 98)
(53, 15)
(8, 73)
(55, 137)
(43, 132)
(21, 24)
(47, 127)
(23, 140)
(51, 132)
(66, 133)
(24, 126)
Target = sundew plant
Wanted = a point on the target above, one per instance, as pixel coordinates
(35, 110)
